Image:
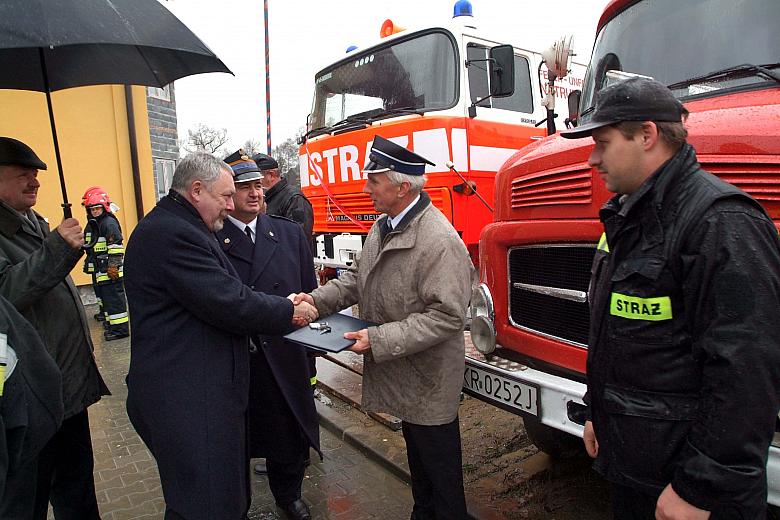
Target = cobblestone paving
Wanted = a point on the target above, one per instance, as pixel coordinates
(345, 486)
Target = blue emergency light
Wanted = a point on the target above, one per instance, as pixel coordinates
(462, 8)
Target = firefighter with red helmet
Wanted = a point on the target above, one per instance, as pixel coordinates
(104, 262)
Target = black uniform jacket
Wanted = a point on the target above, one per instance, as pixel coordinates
(110, 230)
(286, 200)
(188, 381)
(684, 359)
(280, 263)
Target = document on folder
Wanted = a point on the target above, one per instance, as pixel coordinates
(327, 334)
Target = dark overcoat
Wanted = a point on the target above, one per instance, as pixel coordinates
(278, 262)
(34, 276)
(30, 410)
(188, 382)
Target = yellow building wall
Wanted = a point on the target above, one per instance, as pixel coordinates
(94, 146)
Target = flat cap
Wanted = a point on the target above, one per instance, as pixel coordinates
(265, 162)
(13, 152)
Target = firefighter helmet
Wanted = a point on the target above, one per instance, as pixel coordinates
(97, 196)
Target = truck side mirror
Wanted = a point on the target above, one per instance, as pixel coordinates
(501, 67)
(574, 106)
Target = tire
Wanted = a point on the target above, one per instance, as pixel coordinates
(555, 443)
(773, 512)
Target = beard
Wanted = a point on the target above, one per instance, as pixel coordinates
(219, 223)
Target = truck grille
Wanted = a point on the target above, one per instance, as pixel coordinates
(558, 186)
(540, 306)
(757, 179)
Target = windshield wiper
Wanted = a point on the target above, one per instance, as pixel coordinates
(385, 113)
(313, 133)
(361, 119)
(739, 70)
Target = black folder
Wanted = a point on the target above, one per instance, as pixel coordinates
(332, 341)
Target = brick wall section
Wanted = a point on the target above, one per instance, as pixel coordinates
(162, 131)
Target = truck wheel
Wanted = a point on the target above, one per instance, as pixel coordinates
(555, 443)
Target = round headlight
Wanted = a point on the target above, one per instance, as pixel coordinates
(483, 334)
(482, 302)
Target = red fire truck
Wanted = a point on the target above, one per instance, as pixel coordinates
(531, 317)
(451, 94)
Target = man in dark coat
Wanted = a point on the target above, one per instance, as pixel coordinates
(282, 198)
(684, 358)
(30, 406)
(271, 255)
(191, 318)
(35, 267)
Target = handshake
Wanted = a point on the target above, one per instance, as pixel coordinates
(304, 311)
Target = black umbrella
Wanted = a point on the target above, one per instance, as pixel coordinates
(48, 45)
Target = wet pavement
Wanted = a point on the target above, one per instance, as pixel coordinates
(347, 484)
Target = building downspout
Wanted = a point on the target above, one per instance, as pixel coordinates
(139, 203)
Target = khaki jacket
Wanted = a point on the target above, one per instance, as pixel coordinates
(416, 283)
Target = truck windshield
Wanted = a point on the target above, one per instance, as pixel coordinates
(674, 41)
(412, 75)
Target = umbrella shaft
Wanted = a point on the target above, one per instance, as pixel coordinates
(65, 204)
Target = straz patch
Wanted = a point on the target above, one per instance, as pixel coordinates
(648, 309)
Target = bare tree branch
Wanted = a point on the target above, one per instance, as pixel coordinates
(206, 138)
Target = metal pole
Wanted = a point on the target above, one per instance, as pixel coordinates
(139, 201)
(267, 84)
(65, 204)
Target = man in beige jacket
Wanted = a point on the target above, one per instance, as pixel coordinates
(414, 279)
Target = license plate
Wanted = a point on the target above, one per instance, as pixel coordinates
(501, 390)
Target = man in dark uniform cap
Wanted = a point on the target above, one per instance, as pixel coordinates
(35, 267)
(271, 255)
(282, 198)
(413, 277)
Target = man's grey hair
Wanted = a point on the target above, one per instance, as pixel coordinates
(416, 182)
(198, 166)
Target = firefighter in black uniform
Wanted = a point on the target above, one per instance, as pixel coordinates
(282, 198)
(104, 262)
(684, 352)
(270, 255)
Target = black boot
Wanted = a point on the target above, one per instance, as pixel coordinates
(110, 335)
(296, 510)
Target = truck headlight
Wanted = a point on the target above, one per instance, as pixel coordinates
(482, 302)
(483, 334)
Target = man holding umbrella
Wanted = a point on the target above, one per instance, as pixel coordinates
(34, 276)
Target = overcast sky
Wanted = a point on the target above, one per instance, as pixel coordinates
(307, 35)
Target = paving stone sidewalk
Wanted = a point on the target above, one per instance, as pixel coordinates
(345, 486)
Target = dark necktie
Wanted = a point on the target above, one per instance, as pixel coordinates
(385, 229)
(248, 231)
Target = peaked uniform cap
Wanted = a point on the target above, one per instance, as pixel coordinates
(244, 168)
(386, 155)
(16, 153)
(265, 162)
(633, 99)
